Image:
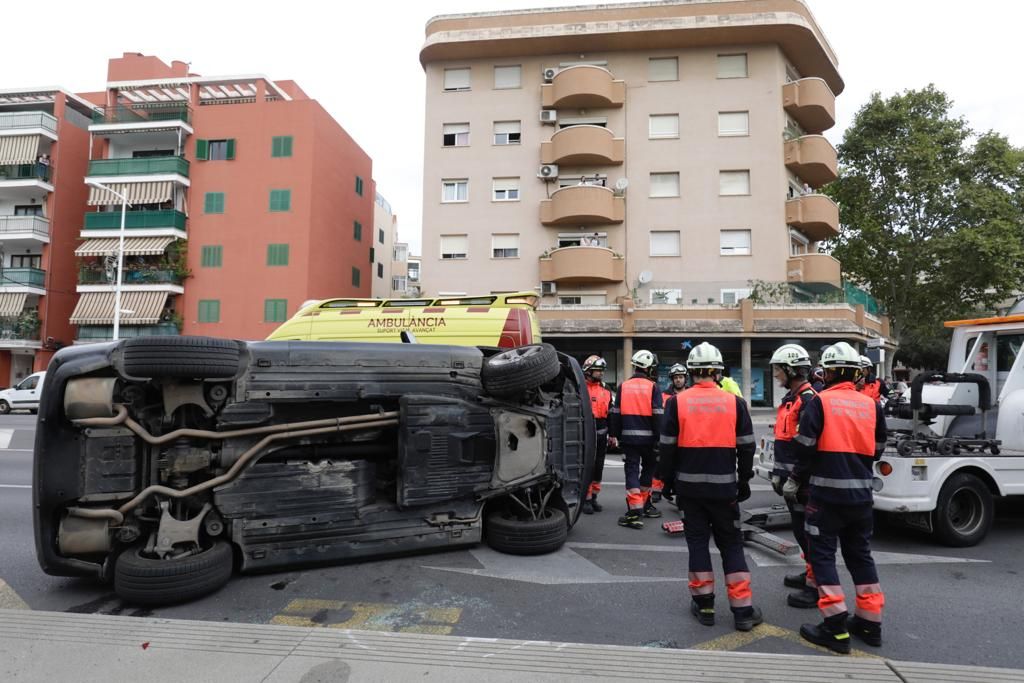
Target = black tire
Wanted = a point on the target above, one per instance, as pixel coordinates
(145, 581)
(517, 370)
(508, 534)
(905, 447)
(945, 446)
(964, 512)
(190, 357)
(5, 408)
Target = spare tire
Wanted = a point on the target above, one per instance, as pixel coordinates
(147, 581)
(188, 357)
(517, 370)
(510, 534)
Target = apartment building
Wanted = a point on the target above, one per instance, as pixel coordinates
(650, 169)
(245, 198)
(385, 231)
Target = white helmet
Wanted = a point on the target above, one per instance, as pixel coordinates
(840, 355)
(705, 355)
(865, 362)
(791, 355)
(644, 359)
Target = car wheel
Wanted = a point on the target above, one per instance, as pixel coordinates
(507, 533)
(5, 408)
(964, 512)
(148, 581)
(517, 370)
(190, 357)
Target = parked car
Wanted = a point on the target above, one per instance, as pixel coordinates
(169, 461)
(24, 395)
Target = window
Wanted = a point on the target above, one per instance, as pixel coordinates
(414, 271)
(400, 253)
(209, 310)
(454, 190)
(357, 231)
(666, 296)
(506, 132)
(380, 235)
(26, 261)
(505, 246)
(373, 255)
(275, 310)
(28, 210)
(399, 283)
(734, 243)
(733, 123)
(731, 297)
(213, 150)
(798, 243)
(664, 185)
(213, 202)
(212, 257)
(455, 134)
(731, 183)
(355, 276)
(506, 189)
(280, 200)
(664, 243)
(570, 300)
(582, 239)
(29, 384)
(582, 300)
(456, 79)
(664, 126)
(663, 69)
(454, 246)
(380, 270)
(570, 121)
(732, 66)
(281, 146)
(359, 186)
(507, 77)
(277, 254)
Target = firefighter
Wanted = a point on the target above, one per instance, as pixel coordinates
(791, 367)
(818, 378)
(710, 433)
(841, 434)
(726, 382)
(600, 403)
(871, 386)
(634, 420)
(663, 484)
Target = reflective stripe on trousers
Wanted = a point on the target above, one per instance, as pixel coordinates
(738, 586)
(702, 583)
(831, 601)
(701, 478)
(870, 601)
(840, 483)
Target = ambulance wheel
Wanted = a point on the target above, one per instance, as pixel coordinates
(964, 512)
(520, 369)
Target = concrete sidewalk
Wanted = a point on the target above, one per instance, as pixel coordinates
(56, 646)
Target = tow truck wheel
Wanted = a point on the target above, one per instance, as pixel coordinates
(964, 512)
(905, 447)
(945, 446)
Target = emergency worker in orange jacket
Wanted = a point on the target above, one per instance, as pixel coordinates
(664, 482)
(869, 384)
(600, 403)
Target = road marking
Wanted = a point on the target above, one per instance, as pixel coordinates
(738, 639)
(411, 617)
(15, 486)
(9, 599)
(5, 437)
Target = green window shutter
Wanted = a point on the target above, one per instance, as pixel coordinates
(355, 277)
(357, 231)
(202, 149)
(281, 146)
(373, 253)
(231, 149)
(275, 310)
(286, 150)
(280, 200)
(209, 310)
(212, 256)
(277, 254)
(213, 202)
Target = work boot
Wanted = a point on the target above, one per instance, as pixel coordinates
(632, 519)
(651, 511)
(830, 633)
(746, 618)
(594, 504)
(804, 599)
(795, 580)
(704, 611)
(868, 631)
(588, 507)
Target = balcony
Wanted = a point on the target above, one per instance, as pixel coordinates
(97, 333)
(582, 264)
(22, 277)
(583, 87)
(39, 172)
(815, 215)
(141, 166)
(813, 159)
(148, 113)
(583, 146)
(27, 121)
(130, 276)
(810, 101)
(135, 220)
(815, 271)
(24, 227)
(582, 205)
(15, 331)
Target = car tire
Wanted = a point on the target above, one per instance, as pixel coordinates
(5, 408)
(520, 369)
(964, 512)
(188, 357)
(509, 534)
(146, 581)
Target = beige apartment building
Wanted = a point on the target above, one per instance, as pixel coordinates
(650, 169)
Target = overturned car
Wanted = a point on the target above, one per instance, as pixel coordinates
(164, 464)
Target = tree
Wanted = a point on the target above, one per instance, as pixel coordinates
(932, 217)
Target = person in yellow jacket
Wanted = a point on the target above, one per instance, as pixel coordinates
(727, 383)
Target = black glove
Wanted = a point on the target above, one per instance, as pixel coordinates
(742, 491)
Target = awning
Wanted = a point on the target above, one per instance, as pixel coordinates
(97, 308)
(137, 193)
(12, 304)
(133, 246)
(19, 149)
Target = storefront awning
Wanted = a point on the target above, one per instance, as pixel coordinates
(133, 246)
(18, 149)
(12, 304)
(137, 308)
(137, 193)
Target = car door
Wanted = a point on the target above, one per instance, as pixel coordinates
(26, 394)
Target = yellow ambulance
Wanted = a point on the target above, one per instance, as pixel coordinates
(502, 320)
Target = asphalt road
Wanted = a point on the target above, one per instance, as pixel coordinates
(609, 585)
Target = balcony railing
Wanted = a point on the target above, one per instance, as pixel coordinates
(582, 264)
(20, 328)
(22, 277)
(135, 220)
(810, 101)
(28, 119)
(131, 276)
(25, 172)
(37, 226)
(818, 271)
(106, 332)
(140, 166)
(815, 215)
(583, 145)
(583, 87)
(813, 159)
(143, 113)
(582, 205)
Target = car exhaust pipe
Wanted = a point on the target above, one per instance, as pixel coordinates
(81, 535)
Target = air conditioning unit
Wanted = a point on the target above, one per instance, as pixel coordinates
(549, 74)
(548, 116)
(548, 171)
(548, 288)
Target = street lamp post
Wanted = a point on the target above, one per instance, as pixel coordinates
(120, 255)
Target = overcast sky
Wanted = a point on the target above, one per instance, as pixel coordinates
(362, 62)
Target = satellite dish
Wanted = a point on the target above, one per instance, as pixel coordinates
(645, 277)
(621, 184)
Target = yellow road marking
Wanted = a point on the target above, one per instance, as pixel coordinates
(369, 616)
(9, 599)
(738, 639)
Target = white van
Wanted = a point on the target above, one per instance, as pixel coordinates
(24, 395)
